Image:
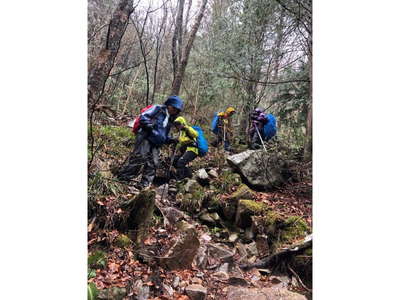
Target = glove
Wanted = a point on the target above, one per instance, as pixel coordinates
(174, 141)
(148, 127)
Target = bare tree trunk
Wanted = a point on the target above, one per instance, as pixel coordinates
(144, 54)
(308, 143)
(178, 28)
(160, 38)
(102, 65)
(176, 84)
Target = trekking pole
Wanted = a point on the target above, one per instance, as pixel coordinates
(224, 135)
(169, 171)
(259, 135)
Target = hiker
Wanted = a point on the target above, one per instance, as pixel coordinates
(263, 128)
(153, 132)
(256, 132)
(222, 127)
(187, 147)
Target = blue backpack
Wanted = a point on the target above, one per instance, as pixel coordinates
(270, 127)
(202, 144)
(214, 124)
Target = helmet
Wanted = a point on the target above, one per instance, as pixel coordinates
(175, 101)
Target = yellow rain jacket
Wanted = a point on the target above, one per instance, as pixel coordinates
(187, 137)
(225, 121)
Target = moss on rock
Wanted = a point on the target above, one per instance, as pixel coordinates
(246, 209)
(280, 230)
(294, 227)
(192, 202)
(123, 241)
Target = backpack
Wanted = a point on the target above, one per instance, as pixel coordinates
(270, 128)
(136, 122)
(202, 144)
(214, 123)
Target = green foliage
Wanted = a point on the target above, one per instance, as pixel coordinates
(97, 259)
(93, 292)
(91, 273)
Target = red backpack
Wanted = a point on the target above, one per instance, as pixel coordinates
(136, 123)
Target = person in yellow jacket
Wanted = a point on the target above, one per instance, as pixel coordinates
(225, 130)
(186, 148)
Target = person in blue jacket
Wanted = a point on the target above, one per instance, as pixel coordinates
(256, 132)
(155, 124)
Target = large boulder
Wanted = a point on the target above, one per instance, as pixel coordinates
(260, 169)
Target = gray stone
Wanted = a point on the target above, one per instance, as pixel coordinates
(240, 293)
(206, 217)
(196, 292)
(220, 275)
(280, 281)
(182, 253)
(215, 216)
(252, 249)
(224, 268)
(143, 293)
(169, 290)
(220, 252)
(261, 169)
(112, 293)
(233, 237)
(248, 233)
(201, 256)
(191, 186)
(185, 226)
(202, 176)
(173, 215)
(262, 245)
(237, 280)
(176, 281)
(213, 173)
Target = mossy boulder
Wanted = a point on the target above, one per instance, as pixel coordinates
(140, 210)
(294, 227)
(246, 209)
(280, 230)
(229, 205)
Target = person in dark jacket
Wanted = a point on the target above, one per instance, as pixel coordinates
(155, 124)
(258, 120)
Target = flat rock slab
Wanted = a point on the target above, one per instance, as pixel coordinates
(240, 293)
(196, 292)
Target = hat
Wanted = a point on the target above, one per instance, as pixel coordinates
(175, 101)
